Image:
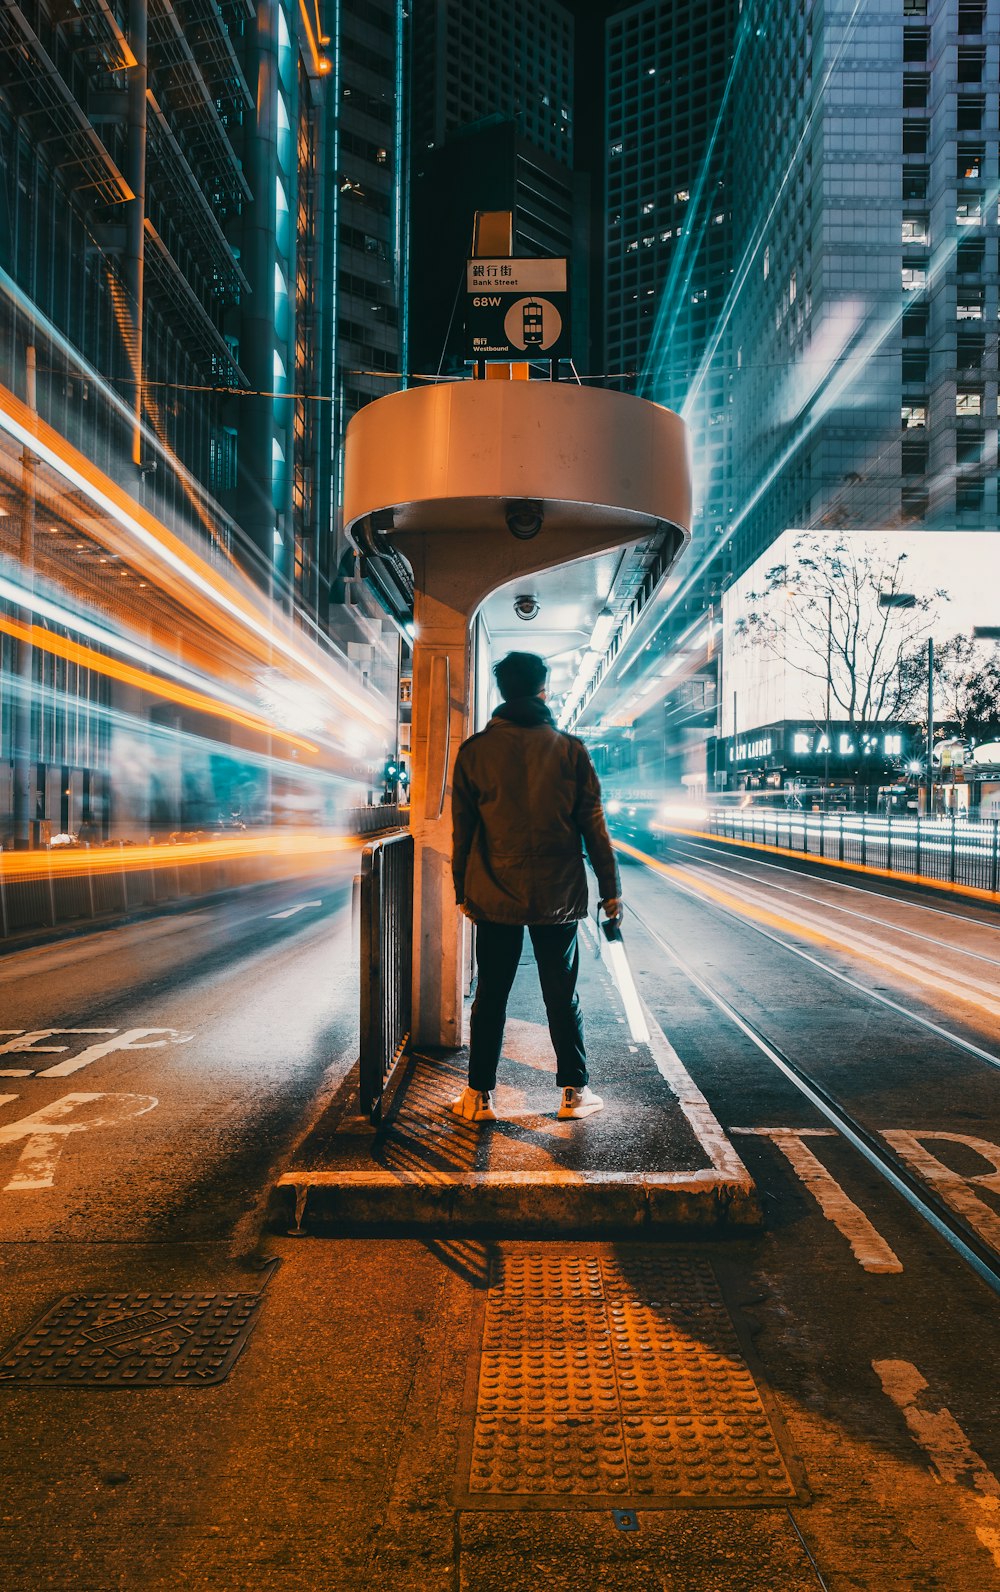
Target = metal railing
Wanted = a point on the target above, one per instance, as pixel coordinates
(386, 905)
(372, 820)
(948, 850)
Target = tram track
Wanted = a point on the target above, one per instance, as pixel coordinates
(668, 875)
(704, 857)
(962, 1237)
(972, 1248)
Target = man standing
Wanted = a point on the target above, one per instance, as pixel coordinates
(525, 802)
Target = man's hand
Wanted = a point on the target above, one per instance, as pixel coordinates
(613, 909)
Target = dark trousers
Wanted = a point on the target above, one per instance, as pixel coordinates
(498, 950)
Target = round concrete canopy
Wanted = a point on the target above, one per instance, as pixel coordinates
(455, 455)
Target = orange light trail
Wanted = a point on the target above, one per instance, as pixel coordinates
(77, 864)
(206, 593)
(74, 652)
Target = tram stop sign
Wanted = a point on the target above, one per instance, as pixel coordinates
(516, 309)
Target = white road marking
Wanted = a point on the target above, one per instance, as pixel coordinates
(946, 1445)
(129, 1039)
(869, 1247)
(954, 1186)
(704, 1123)
(291, 911)
(27, 1043)
(46, 1130)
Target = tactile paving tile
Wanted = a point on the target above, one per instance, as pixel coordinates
(134, 1340)
(620, 1377)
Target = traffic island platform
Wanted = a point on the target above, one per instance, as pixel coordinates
(654, 1160)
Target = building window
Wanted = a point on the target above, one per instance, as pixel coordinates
(915, 86)
(971, 14)
(915, 135)
(971, 60)
(914, 501)
(914, 8)
(915, 320)
(969, 447)
(969, 306)
(915, 42)
(969, 210)
(970, 255)
(916, 229)
(971, 109)
(914, 415)
(914, 277)
(969, 401)
(915, 367)
(969, 496)
(971, 159)
(914, 458)
(767, 261)
(970, 349)
(915, 179)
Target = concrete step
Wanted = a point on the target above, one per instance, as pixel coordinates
(654, 1161)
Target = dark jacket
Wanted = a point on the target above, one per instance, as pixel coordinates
(525, 801)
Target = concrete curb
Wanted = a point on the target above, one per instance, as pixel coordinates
(512, 1203)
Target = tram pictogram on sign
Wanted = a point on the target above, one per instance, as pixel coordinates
(517, 309)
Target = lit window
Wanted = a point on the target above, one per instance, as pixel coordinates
(616, 149)
(968, 402)
(767, 261)
(969, 212)
(648, 241)
(914, 278)
(915, 229)
(666, 236)
(682, 196)
(630, 248)
(913, 415)
(718, 219)
(647, 208)
(792, 289)
(970, 304)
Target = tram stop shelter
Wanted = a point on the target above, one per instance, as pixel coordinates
(501, 493)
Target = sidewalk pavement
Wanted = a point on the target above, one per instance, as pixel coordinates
(655, 1159)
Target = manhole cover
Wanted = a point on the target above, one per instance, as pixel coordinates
(611, 1377)
(134, 1340)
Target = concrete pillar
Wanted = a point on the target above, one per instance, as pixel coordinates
(440, 717)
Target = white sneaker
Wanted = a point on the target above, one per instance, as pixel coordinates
(475, 1105)
(580, 1102)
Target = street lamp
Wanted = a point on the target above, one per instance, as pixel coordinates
(907, 599)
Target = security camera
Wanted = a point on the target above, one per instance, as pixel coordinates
(524, 519)
(526, 607)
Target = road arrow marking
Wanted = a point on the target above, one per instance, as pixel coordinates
(291, 911)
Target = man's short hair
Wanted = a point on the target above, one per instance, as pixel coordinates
(520, 674)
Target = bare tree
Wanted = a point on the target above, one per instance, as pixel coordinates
(846, 608)
(967, 685)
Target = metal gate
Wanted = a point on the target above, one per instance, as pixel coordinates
(386, 963)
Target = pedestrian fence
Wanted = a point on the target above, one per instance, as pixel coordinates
(949, 849)
(386, 911)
